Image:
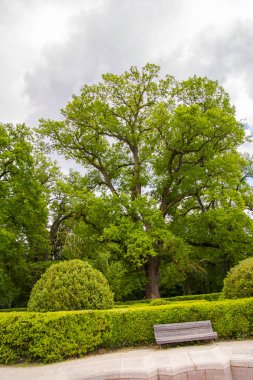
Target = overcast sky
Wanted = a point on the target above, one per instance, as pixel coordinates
(50, 48)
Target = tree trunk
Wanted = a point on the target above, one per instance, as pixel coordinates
(187, 286)
(152, 273)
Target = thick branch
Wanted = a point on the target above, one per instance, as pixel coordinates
(137, 184)
(204, 245)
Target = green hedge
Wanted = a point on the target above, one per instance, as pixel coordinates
(195, 297)
(50, 337)
(208, 297)
(230, 319)
(166, 300)
(55, 336)
(13, 309)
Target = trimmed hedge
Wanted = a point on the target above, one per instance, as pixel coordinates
(208, 297)
(167, 300)
(50, 337)
(13, 309)
(230, 319)
(55, 336)
(195, 297)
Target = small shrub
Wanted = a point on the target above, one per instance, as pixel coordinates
(71, 285)
(239, 281)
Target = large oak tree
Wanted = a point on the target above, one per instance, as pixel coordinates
(153, 149)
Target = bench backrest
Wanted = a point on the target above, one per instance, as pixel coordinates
(181, 329)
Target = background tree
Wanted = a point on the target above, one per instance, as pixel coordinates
(155, 147)
(23, 214)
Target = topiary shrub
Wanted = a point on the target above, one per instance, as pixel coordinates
(71, 285)
(239, 281)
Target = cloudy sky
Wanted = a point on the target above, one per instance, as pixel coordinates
(50, 48)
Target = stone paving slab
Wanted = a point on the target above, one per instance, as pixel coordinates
(215, 361)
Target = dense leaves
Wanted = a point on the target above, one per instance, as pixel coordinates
(23, 213)
(71, 285)
(239, 280)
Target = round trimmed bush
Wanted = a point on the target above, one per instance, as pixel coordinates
(71, 285)
(239, 281)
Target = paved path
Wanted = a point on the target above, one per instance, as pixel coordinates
(215, 361)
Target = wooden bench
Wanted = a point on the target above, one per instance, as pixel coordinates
(184, 332)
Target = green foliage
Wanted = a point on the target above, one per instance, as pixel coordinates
(159, 151)
(13, 309)
(220, 237)
(125, 283)
(71, 285)
(161, 301)
(191, 298)
(239, 280)
(172, 276)
(50, 337)
(24, 236)
(208, 297)
(168, 300)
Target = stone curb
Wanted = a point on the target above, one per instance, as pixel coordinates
(219, 361)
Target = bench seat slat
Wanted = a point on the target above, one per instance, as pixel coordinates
(182, 332)
(186, 338)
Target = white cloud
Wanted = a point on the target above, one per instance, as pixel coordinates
(26, 27)
(109, 38)
(49, 49)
